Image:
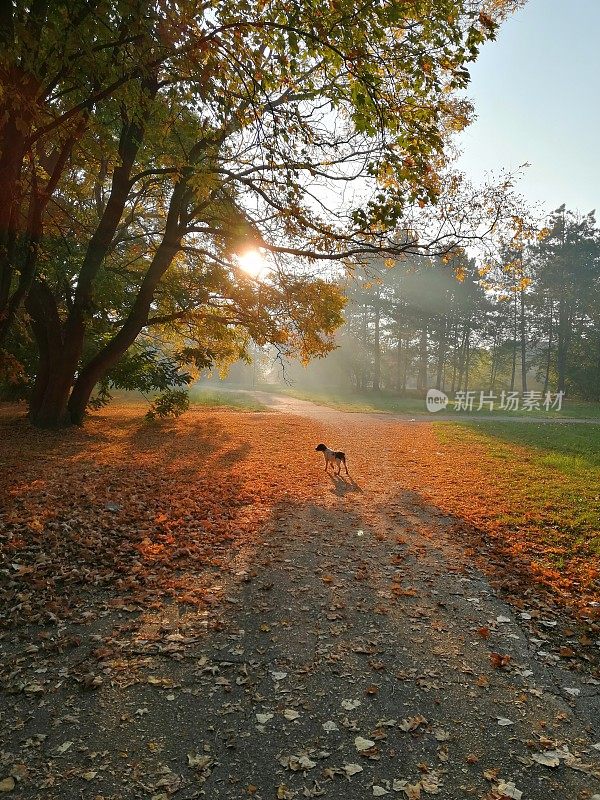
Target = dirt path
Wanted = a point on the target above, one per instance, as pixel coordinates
(351, 650)
(293, 405)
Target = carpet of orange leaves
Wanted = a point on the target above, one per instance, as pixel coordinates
(140, 511)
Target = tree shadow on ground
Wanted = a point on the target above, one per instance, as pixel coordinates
(125, 514)
(511, 572)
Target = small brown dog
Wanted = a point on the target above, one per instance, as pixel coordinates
(333, 457)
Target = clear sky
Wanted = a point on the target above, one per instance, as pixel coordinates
(536, 91)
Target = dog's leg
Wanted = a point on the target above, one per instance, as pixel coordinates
(346, 467)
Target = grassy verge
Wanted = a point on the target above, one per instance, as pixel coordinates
(537, 489)
(218, 398)
(200, 396)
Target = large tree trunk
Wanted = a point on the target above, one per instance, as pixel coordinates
(31, 236)
(100, 364)
(11, 158)
(52, 393)
(57, 366)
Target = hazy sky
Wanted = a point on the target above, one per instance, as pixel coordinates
(537, 99)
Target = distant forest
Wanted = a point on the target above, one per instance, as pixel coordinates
(527, 320)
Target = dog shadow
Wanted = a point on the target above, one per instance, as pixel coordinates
(344, 484)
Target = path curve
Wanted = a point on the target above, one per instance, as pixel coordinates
(288, 404)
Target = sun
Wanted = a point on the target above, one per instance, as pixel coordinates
(252, 262)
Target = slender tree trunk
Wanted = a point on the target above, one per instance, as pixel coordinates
(405, 368)
(513, 373)
(422, 374)
(563, 343)
(365, 346)
(550, 343)
(377, 343)
(455, 356)
(399, 355)
(467, 359)
(523, 344)
(462, 358)
(442, 345)
(596, 389)
(493, 367)
(398, 317)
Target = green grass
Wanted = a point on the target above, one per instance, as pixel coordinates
(571, 409)
(224, 398)
(201, 396)
(570, 449)
(554, 482)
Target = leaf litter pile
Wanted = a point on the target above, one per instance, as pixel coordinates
(196, 610)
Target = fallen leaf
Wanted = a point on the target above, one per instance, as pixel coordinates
(198, 762)
(352, 769)
(363, 744)
(547, 759)
(510, 790)
(412, 723)
(499, 661)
